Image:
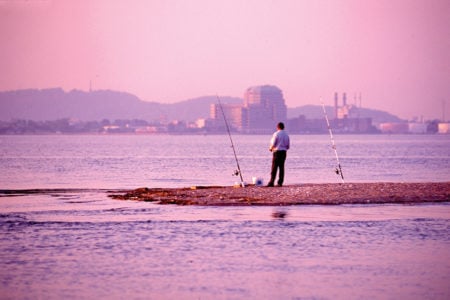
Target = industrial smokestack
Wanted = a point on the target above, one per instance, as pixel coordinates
(344, 99)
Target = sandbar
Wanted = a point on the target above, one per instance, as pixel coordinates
(297, 194)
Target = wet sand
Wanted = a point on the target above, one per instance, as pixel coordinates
(323, 194)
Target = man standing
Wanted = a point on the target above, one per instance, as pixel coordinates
(279, 144)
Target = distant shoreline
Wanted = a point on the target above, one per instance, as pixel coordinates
(206, 133)
(304, 194)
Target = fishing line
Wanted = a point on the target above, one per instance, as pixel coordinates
(338, 169)
(238, 171)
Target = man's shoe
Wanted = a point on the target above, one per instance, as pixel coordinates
(270, 185)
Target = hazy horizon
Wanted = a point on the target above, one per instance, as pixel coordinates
(396, 54)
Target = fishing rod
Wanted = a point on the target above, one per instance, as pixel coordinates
(338, 169)
(238, 171)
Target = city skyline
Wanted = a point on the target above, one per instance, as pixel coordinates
(262, 108)
(395, 54)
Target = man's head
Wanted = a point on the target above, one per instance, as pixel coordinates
(280, 126)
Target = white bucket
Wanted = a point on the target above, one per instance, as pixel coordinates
(258, 181)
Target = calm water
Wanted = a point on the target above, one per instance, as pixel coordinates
(177, 161)
(81, 244)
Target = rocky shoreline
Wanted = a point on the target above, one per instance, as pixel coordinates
(302, 194)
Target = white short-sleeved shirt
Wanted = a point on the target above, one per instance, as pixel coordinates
(280, 141)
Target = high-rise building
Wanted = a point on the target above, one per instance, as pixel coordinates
(264, 108)
(233, 113)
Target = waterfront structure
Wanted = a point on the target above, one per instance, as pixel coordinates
(234, 113)
(264, 107)
(415, 127)
(346, 110)
(347, 117)
(444, 128)
(394, 128)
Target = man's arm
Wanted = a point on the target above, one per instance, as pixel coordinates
(273, 142)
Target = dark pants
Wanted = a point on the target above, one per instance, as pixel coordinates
(278, 159)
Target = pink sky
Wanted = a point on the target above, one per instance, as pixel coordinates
(395, 53)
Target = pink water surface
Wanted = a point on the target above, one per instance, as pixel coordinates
(81, 244)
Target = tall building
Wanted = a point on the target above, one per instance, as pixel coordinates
(233, 112)
(264, 107)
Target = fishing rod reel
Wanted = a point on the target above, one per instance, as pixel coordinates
(237, 172)
(336, 170)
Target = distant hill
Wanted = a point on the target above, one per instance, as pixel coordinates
(53, 104)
